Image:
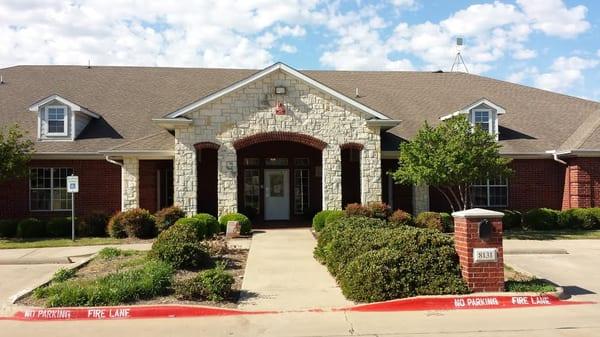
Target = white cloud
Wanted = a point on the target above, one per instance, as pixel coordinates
(523, 53)
(523, 75)
(404, 3)
(288, 48)
(554, 18)
(564, 73)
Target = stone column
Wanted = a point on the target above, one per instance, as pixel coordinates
(184, 177)
(130, 183)
(420, 198)
(370, 175)
(332, 177)
(227, 179)
(478, 242)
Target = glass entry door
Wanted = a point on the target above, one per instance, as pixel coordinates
(277, 194)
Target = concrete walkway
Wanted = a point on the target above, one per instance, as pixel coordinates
(281, 274)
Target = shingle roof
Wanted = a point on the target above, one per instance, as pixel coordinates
(128, 98)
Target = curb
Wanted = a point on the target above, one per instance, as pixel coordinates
(423, 303)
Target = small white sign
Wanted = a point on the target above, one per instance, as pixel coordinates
(485, 255)
(72, 184)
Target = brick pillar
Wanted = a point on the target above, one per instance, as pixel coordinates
(580, 183)
(481, 273)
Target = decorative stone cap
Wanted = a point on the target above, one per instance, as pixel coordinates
(477, 213)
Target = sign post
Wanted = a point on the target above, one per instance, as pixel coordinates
(72, 187)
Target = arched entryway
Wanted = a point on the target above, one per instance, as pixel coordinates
(279, 176)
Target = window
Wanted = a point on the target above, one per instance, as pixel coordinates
(301, 196)
(251, 161)
(301, 161)
(252, 189)
(481, 118)
(490, 193)
(276, 162)
(48, 189)
(56, 117)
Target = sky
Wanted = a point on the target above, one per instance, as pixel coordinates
(549, 44)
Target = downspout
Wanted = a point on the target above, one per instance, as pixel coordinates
(555, 156)
(121, 165)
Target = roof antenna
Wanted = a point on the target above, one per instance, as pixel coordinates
(356, 93)
(1, 79)
(89, 64)
(458, 59)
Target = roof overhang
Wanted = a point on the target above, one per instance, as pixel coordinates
(465, 110)
(35, 107)
(172, 123)
(275, 67)
(383, 123)
(142, 154)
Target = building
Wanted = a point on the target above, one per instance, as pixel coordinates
(278, 143)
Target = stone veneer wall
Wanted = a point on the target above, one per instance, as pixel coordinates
(130, 173)
(249, 111)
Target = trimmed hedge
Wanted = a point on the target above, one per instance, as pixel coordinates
(8, 227)
(137, 223)
(580, 218)
(180, 247)
(93, 225)
(167, 217)
(401, 218)
(59, 227)
(431, 220)
(200, 226)
(212, 284)
(244, 222)
(541, 219)
(377, 210)
(212, 224)
(512, 219)
(323, 217)
(448, 222)
(31, 228)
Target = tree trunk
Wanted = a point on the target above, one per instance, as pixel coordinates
(446, 197)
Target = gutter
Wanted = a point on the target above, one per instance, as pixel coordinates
(112, 161)
(555, 155)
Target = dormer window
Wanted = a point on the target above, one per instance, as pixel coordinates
(482, 119)
(57, 120)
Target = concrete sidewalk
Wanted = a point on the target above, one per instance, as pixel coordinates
(281, 274)
(28, 255)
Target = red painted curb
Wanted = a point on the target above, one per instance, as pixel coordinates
(462, 303)
(173, 311)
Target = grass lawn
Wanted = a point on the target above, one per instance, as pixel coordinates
(61, 242)
(559, 234)
(519, 282)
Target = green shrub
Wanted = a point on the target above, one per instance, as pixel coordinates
(212, 224)
(321, 218)
(200, 227)
(152, 279)
(134, 223)
(59, 227)
(579, 218)
(448, 222)
(379, 210)
(541, 219)
(244, 222)
(511, 219)
(388, 273)
(594, 221)
(63, 274)
(179, 246)
(401, 218)
(356, 209)
(109, 253)
(431, 220)
(167, 217)
(31, 228)
(212, 284)
(8, 227)
(189, 289)
(534, 286)
(94, 224)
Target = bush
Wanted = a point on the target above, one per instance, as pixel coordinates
(96, 223)
(244, 222)
(200, 227)
(59, 227)
(212, 224)
(379, 210)
(541, 219)
(179, 246)
(388, 273)
(431, 220)
(321, 218)
(356, 209)
(137, 223)
(63, 274)
(150, 280)
(213, 284)
(110, 253)
(511, 219)
(8, 227)
(448, 222)
(31, 228)
(579, 218)
(401, 218)
(167, 217)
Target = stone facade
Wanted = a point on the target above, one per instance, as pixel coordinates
(251, 110)
(420, 195)
(130, 180)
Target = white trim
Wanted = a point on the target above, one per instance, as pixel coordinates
(499, 110)
(265, 72)
(490, 119)
(65, 120)
(52, 170)
(35, 107)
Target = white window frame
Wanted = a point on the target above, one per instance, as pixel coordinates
(65, 120)
(491, 128)
(52, 170)
(488, 187)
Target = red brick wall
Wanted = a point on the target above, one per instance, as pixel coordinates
(536, 183)
(99, 190)
(582, 183)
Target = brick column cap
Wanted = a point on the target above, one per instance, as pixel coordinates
(478, 213)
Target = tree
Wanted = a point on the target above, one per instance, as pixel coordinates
(451, 157)
(15, 153)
